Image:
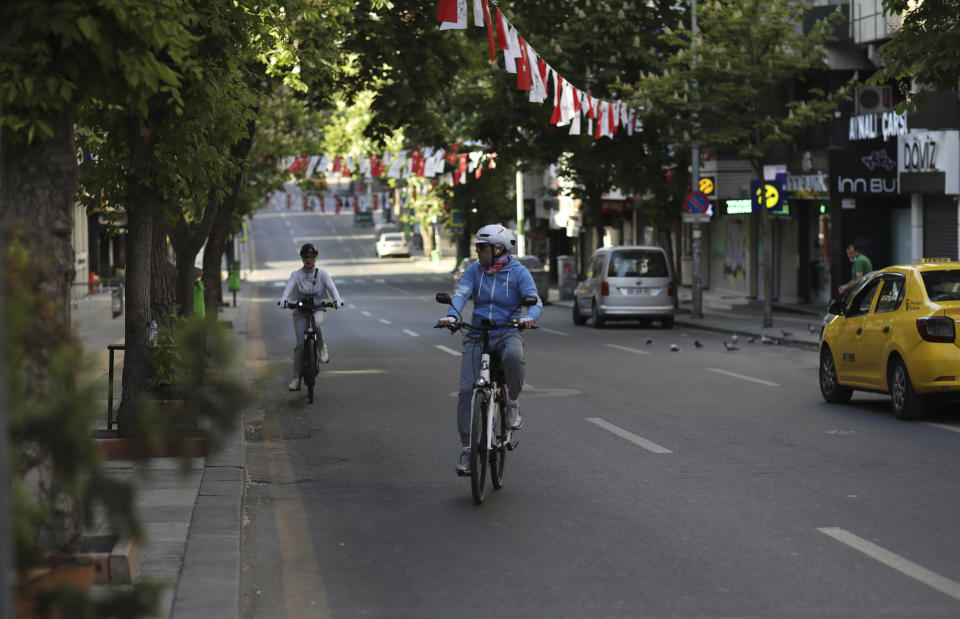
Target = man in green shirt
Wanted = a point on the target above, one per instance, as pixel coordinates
(860, 266)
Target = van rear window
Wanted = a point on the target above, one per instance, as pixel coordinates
(638, 263)
(942, 285)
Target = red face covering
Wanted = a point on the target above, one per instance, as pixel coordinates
(498, 263)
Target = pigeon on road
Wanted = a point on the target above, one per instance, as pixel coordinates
(766, 340)
(786, 333)
(734, 338)
(751, 340)
(698, 343)
(649, 341)
(811, 328)
(674, 347)
(729, 346)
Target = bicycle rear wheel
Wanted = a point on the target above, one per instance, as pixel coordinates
(308, 366)
(479, 456)
(498, 454)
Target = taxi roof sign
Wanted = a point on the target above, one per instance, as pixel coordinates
(935, 260)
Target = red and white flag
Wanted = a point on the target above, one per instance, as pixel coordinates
(460, 23)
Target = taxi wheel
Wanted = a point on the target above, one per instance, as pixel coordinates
(907, 403)
(832, 391)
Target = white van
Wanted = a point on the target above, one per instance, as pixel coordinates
(627, 282)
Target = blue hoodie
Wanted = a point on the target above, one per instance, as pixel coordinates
(497, 296)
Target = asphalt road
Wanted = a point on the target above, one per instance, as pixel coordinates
(647, 483)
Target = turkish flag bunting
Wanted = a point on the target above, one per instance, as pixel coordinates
(486, 18)
(556, 108)
(523, 67)
(576, 100)
(501, 31)
(542, 67)
(612, 121)
(336, 164)
(447, 10)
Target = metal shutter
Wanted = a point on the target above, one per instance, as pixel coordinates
(940, 227)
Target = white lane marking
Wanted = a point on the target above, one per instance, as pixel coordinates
(385, 321)
(630, 436)
(895, 561)
(411, 333)
(365, 313)
(633, 350)
(942, 426)
(380, 280)
(742, 377)
(449, 351)
(552, 331)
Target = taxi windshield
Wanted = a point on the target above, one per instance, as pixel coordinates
(942, 285)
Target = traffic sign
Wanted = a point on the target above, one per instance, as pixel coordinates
(706, 185)
(697, 202)
(768, 195)
(696, 218)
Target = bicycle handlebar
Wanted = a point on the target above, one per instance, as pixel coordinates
(306, 305)
(517, 323)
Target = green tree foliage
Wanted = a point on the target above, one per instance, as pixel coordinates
(738, 85)
(924, 49)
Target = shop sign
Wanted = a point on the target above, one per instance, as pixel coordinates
(873, 126)
(929, 161)
(864, 170)
(814, 185)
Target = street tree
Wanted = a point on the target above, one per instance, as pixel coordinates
(745, 83)
(923, 51)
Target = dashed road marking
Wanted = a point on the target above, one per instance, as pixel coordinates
(447, 350)
(943, 426)
(895, 561)
(365, 313)
(742, 377)
(385, 321)
(628, 349)
(411, 333)
(552, 331)
(630, 436)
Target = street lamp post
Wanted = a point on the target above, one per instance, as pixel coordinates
(697, 311)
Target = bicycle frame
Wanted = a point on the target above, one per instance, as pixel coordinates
(308, 367)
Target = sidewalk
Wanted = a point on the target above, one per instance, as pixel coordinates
(191, 515)
(793, 325)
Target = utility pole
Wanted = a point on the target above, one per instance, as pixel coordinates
(694, 180)
(521, 236)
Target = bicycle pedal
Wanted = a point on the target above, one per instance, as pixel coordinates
(463, 473)
(513, 444)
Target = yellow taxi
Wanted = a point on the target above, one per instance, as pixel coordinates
(895, 332)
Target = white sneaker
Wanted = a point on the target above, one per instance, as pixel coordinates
(514, 420)
(294, 385)
(463, 462)
(324, 355)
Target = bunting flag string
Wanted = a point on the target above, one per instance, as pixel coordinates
(448, 165)
(570, 103)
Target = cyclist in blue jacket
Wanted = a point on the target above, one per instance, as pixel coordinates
(496, 283)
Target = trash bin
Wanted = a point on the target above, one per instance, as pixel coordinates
(566, 276)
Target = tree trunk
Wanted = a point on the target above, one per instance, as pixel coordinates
(216, 240)
(163, 274)
(187, 241)
(143, 206)
(37, 196)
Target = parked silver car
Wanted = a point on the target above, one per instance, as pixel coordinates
(392, 244)
(625, 282)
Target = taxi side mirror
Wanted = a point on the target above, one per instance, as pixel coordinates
(835, 306)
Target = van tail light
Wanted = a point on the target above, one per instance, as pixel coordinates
(937, 328)
(670, 289)
(605, 289)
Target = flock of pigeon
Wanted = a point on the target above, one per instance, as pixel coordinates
(731, 344)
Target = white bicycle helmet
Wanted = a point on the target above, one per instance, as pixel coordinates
(495, 234)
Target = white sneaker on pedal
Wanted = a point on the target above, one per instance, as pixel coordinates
(294, 385)
(514, 420)
(324, 355)
(463, 465)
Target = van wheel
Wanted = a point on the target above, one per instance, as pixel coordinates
(578, 318)
(598, 320)
(907, 403)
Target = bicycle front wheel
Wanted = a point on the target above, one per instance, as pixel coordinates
(308, 366)
(479, 456)
(498, 452)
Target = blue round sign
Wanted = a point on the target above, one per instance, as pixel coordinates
(696, 202)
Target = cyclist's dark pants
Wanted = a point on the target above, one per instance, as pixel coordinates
(509, 345)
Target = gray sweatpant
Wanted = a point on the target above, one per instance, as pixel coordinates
(299, 326)
(509, 344)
